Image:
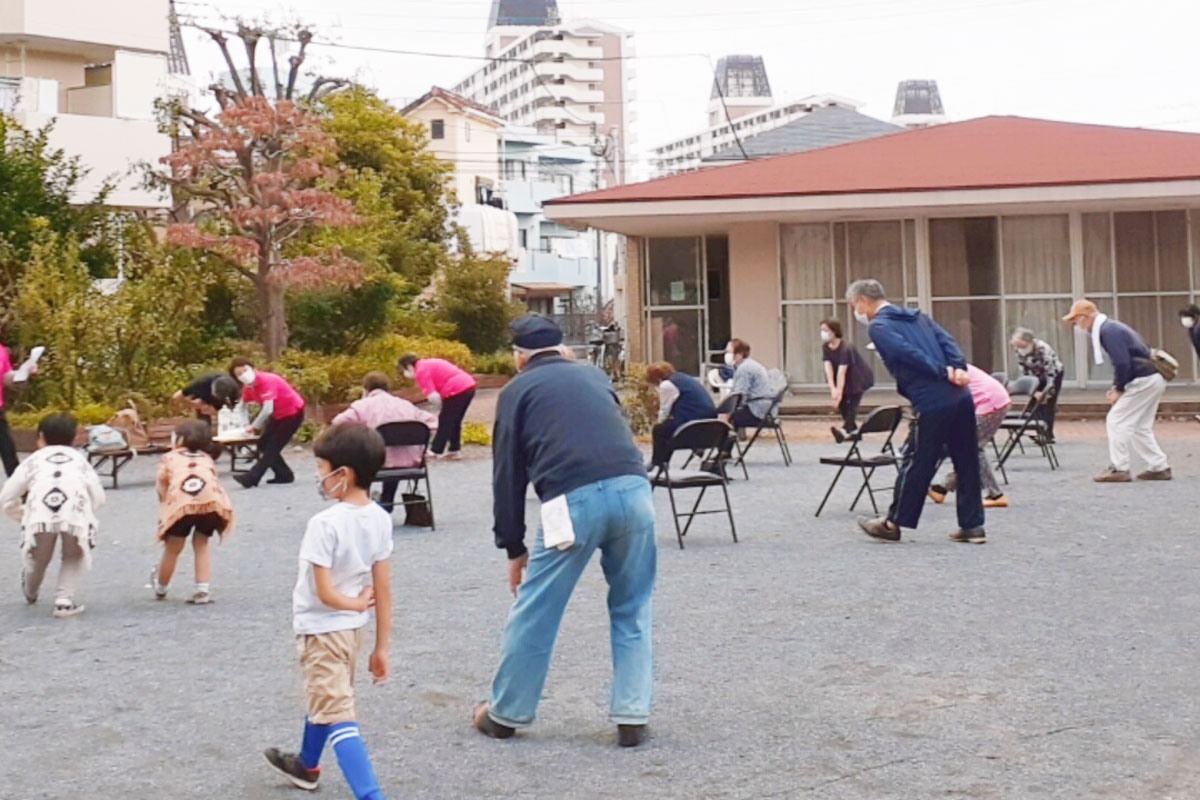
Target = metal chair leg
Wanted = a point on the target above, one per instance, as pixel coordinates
(829, 491)
(729, 511)
(675, 515)
(695, 507)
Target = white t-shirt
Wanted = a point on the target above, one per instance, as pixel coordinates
(347, 539)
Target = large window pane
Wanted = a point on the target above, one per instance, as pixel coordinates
(675, 338)
(1097, 254)
(839, 261)
(1134, 236)
(1172, 251)
(877, 251)
(802, 342)
(975, 324)
(674, 272)
(1141, 314)
(1037, 254)
(1044, 318)
(962, 254)
(1195, 222)
(805, 255)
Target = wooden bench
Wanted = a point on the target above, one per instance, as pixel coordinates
(109, 463)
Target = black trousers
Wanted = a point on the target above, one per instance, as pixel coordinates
(270, 450)
(951, 428)
(848, 408)
(660, 441)
(1049, 411)
(387, 493)
(450, 422)
(8, 450)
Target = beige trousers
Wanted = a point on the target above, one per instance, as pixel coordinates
(1130, 423)
(327, 662)
(38, 558)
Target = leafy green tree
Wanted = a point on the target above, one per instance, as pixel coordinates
(378, 146)
(473, 295)
(38, 188)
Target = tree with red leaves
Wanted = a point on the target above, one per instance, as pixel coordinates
(250, 178)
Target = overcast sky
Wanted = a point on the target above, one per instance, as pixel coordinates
(1121, 62)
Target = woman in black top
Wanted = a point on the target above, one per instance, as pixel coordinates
(208, 394)
(847, 374)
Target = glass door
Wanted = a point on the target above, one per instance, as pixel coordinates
(675, 301)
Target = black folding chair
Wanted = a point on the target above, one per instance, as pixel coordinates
(1027, 422)
(885, 419)
(769, 422)
(703, 436)
(409, 434)
(1002, 377)
(729, 405)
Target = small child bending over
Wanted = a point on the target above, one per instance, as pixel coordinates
(55, 494)
(344, 571)
(191, 501)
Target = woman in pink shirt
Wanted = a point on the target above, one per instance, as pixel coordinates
(452, 387)
(992, 403)
(281, 413)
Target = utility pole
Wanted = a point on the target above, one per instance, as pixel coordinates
(601, 151)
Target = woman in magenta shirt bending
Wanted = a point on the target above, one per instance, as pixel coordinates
(282, 412)
(444, 383)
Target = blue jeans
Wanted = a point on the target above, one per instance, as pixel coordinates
(616, 516)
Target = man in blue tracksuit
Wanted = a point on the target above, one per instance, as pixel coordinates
(559, 426)
(930, 371)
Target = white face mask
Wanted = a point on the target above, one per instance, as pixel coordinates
(410, 373)
(862, 318)
(247, 376)
(728, 359)
(1187, 322)
(1024, 349)
(325, 493)
(826, 335)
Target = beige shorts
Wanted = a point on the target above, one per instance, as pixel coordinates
(327, 663)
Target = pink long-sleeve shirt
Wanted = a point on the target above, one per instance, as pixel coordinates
(439, 375)
(379, 408)
(988, 393)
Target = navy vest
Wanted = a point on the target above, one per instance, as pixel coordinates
(694, 401)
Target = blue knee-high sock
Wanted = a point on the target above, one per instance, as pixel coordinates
(353, 759)
(313, 744)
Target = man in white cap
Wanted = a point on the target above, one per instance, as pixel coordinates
(559, 426)
(1136, 391)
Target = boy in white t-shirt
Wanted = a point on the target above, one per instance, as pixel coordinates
(344, 571)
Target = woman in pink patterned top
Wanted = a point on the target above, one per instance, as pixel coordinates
(445, 384)
(280, 415)
(992, 403)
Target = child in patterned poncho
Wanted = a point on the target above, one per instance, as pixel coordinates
(192, 502)
(55, 494)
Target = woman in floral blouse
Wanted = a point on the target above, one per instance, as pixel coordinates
(1039, 360)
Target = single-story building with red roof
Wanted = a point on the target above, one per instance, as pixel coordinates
(987, 225)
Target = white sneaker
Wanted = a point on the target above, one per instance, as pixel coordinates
(67, 608)
(160, 591)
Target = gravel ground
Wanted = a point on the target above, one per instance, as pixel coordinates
(1059, 660)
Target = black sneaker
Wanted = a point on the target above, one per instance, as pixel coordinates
(631, 735)
(246, 481)
(839, 435)
(488, 726)
(972, 536)
(291, 767)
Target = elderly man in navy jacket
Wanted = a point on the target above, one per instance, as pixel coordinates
(930, 371)
(1136, 391)
(559, 426)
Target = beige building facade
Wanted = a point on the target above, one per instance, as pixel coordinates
(986, 225)
(94, 70)
(464, 134)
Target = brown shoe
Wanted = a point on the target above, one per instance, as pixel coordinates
(999, 501)
(1156, 475)
(938, 494)
(880, 528)
(488, 726)
(972, 536)
(1113, 475)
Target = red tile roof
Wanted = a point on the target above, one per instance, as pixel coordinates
(985, 153)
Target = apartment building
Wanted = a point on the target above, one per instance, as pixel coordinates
(94, 68)
(571, 81)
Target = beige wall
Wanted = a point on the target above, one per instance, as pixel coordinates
(478, 156)
(635, 320)
(132, 24)
(754, 289)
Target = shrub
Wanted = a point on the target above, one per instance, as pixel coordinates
(476, 433)
(639, 400)
(498, 363)
(85, 414)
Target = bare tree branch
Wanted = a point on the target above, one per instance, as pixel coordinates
(250, 37)
(304, 37)
(219, 38)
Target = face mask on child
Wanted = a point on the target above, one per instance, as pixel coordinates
(1024, 349)
(826, 335)
(728, 359)
(1187, 322)
(247, 376)
(327, 494)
